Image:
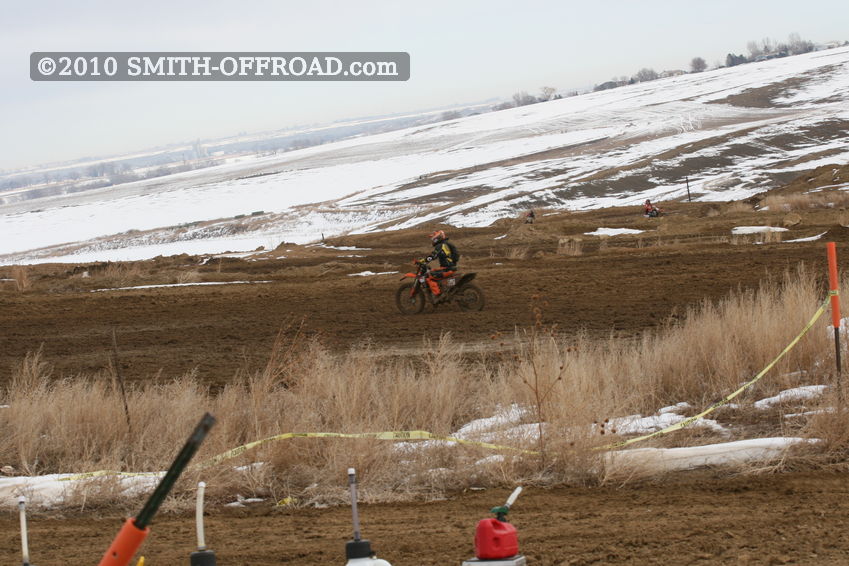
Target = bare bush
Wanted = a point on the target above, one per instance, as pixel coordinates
(517, 253)
(21, 276)
(770, 237)
(188, 276)
(119, 274)
(807, 201)
(570, 246)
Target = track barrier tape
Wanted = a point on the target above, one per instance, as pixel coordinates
(101, 473)
(690, 420)
(234, 452)
(392, 435)
(425, 435)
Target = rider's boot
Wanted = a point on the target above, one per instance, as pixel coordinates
(435, 291)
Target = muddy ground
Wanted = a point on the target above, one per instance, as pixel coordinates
(620, 286)
(694, 518)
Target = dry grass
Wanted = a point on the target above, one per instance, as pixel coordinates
(737, 206)
(188, 276)
(516, 253)
(770, 237)
(118, 275)
(765, 237)
(742, 239)
(807, 201)
(21, 276)
(603, 242)
(570, 246)
(78, 424)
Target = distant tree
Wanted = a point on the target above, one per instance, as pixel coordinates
(95, 170)
(732, 60)
(755, 50)
(606, 86)
(522, 98)
(796, 45)
(547, 93)
(645, 75)
(767, 46)
(502, 106)
(697, 65)
(450, 115)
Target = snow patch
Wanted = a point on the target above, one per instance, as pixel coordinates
(740, 230)
(660, 460)
(369, 273)
(179, 285)
(613, 232)
(796, 394)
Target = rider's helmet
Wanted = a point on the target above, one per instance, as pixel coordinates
(648, 201)
(437, 237)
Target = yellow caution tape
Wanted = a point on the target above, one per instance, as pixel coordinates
(690, 420)
(229, 454)
(391, 435)
(100, 473)
(424, 435)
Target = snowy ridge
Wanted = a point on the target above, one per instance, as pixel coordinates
(602, 149)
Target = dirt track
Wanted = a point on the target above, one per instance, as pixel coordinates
(696, 518)
(622, 289)
(621, 286)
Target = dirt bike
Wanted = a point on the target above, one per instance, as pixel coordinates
(411, 297)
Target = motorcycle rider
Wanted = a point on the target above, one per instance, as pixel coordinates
(448, 256)
(651, 210)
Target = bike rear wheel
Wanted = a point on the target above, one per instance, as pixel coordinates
(470, 298)
(408, 303)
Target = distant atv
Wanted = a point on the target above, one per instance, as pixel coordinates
(412, 296)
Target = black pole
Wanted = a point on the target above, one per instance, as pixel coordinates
(837, 361)
(150, 508)
(688, 188)
(120, 379)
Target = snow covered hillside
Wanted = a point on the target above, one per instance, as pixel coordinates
(733, 132)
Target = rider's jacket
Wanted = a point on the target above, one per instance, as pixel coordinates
(446, 253)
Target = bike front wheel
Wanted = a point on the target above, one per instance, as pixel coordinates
(409, 300)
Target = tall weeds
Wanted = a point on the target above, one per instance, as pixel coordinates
(62, 424)
(805, 201)
(21, 276)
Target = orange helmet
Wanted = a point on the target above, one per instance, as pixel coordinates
(437, 236)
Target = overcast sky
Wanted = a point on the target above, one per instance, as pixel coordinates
(460, 51)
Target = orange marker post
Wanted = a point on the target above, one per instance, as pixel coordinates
(134, 531)
(833, 284)
(125, 545)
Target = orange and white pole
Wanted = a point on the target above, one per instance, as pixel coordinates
(833, 284)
